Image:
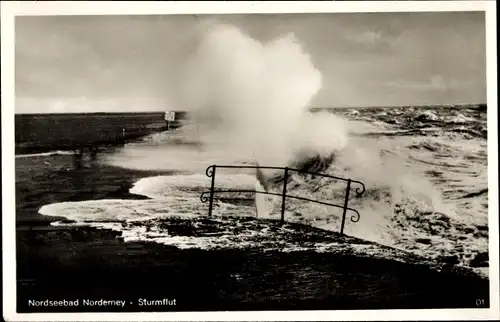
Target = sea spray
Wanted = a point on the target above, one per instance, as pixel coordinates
(249, 102)
(251, 99)
(401, 206)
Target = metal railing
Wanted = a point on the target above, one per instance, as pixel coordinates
(208, 196)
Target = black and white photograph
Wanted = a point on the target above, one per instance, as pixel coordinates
(243, 161)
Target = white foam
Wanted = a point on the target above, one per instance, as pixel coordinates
(176, 185)
(45, 154)
(398, 178)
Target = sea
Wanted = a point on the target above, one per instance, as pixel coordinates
(424, 170)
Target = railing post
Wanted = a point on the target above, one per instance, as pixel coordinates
(345, 205)
(285, 180)
(212, 192)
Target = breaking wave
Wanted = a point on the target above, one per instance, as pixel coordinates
(249, 102)
(426, 195)
(455, 122)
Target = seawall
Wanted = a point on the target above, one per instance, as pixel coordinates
(45, 132)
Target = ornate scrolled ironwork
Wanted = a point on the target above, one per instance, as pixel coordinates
(210, 171)
(205, 196)
(360, 190)
(356, 217)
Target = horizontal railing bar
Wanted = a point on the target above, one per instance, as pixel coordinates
(280, 195)
(248, 167)
(283, 168)
(210, 172)
(249, 191)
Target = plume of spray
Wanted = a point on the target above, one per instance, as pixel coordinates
(250, 99)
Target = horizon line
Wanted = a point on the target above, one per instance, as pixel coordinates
(312, 107)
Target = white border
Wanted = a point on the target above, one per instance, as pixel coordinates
(11, 9)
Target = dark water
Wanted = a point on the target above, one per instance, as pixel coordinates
(46, 179)
(464, 122)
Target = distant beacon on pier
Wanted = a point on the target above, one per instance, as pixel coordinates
(175, 119)
(169, 116)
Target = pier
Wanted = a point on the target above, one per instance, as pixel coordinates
(85, 133)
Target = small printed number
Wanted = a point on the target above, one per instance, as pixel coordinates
(480, 302)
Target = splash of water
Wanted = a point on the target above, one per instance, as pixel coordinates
(251, 99)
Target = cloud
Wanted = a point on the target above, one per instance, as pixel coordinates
(391, 58)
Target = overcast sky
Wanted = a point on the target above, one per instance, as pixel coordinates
(120, 63)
